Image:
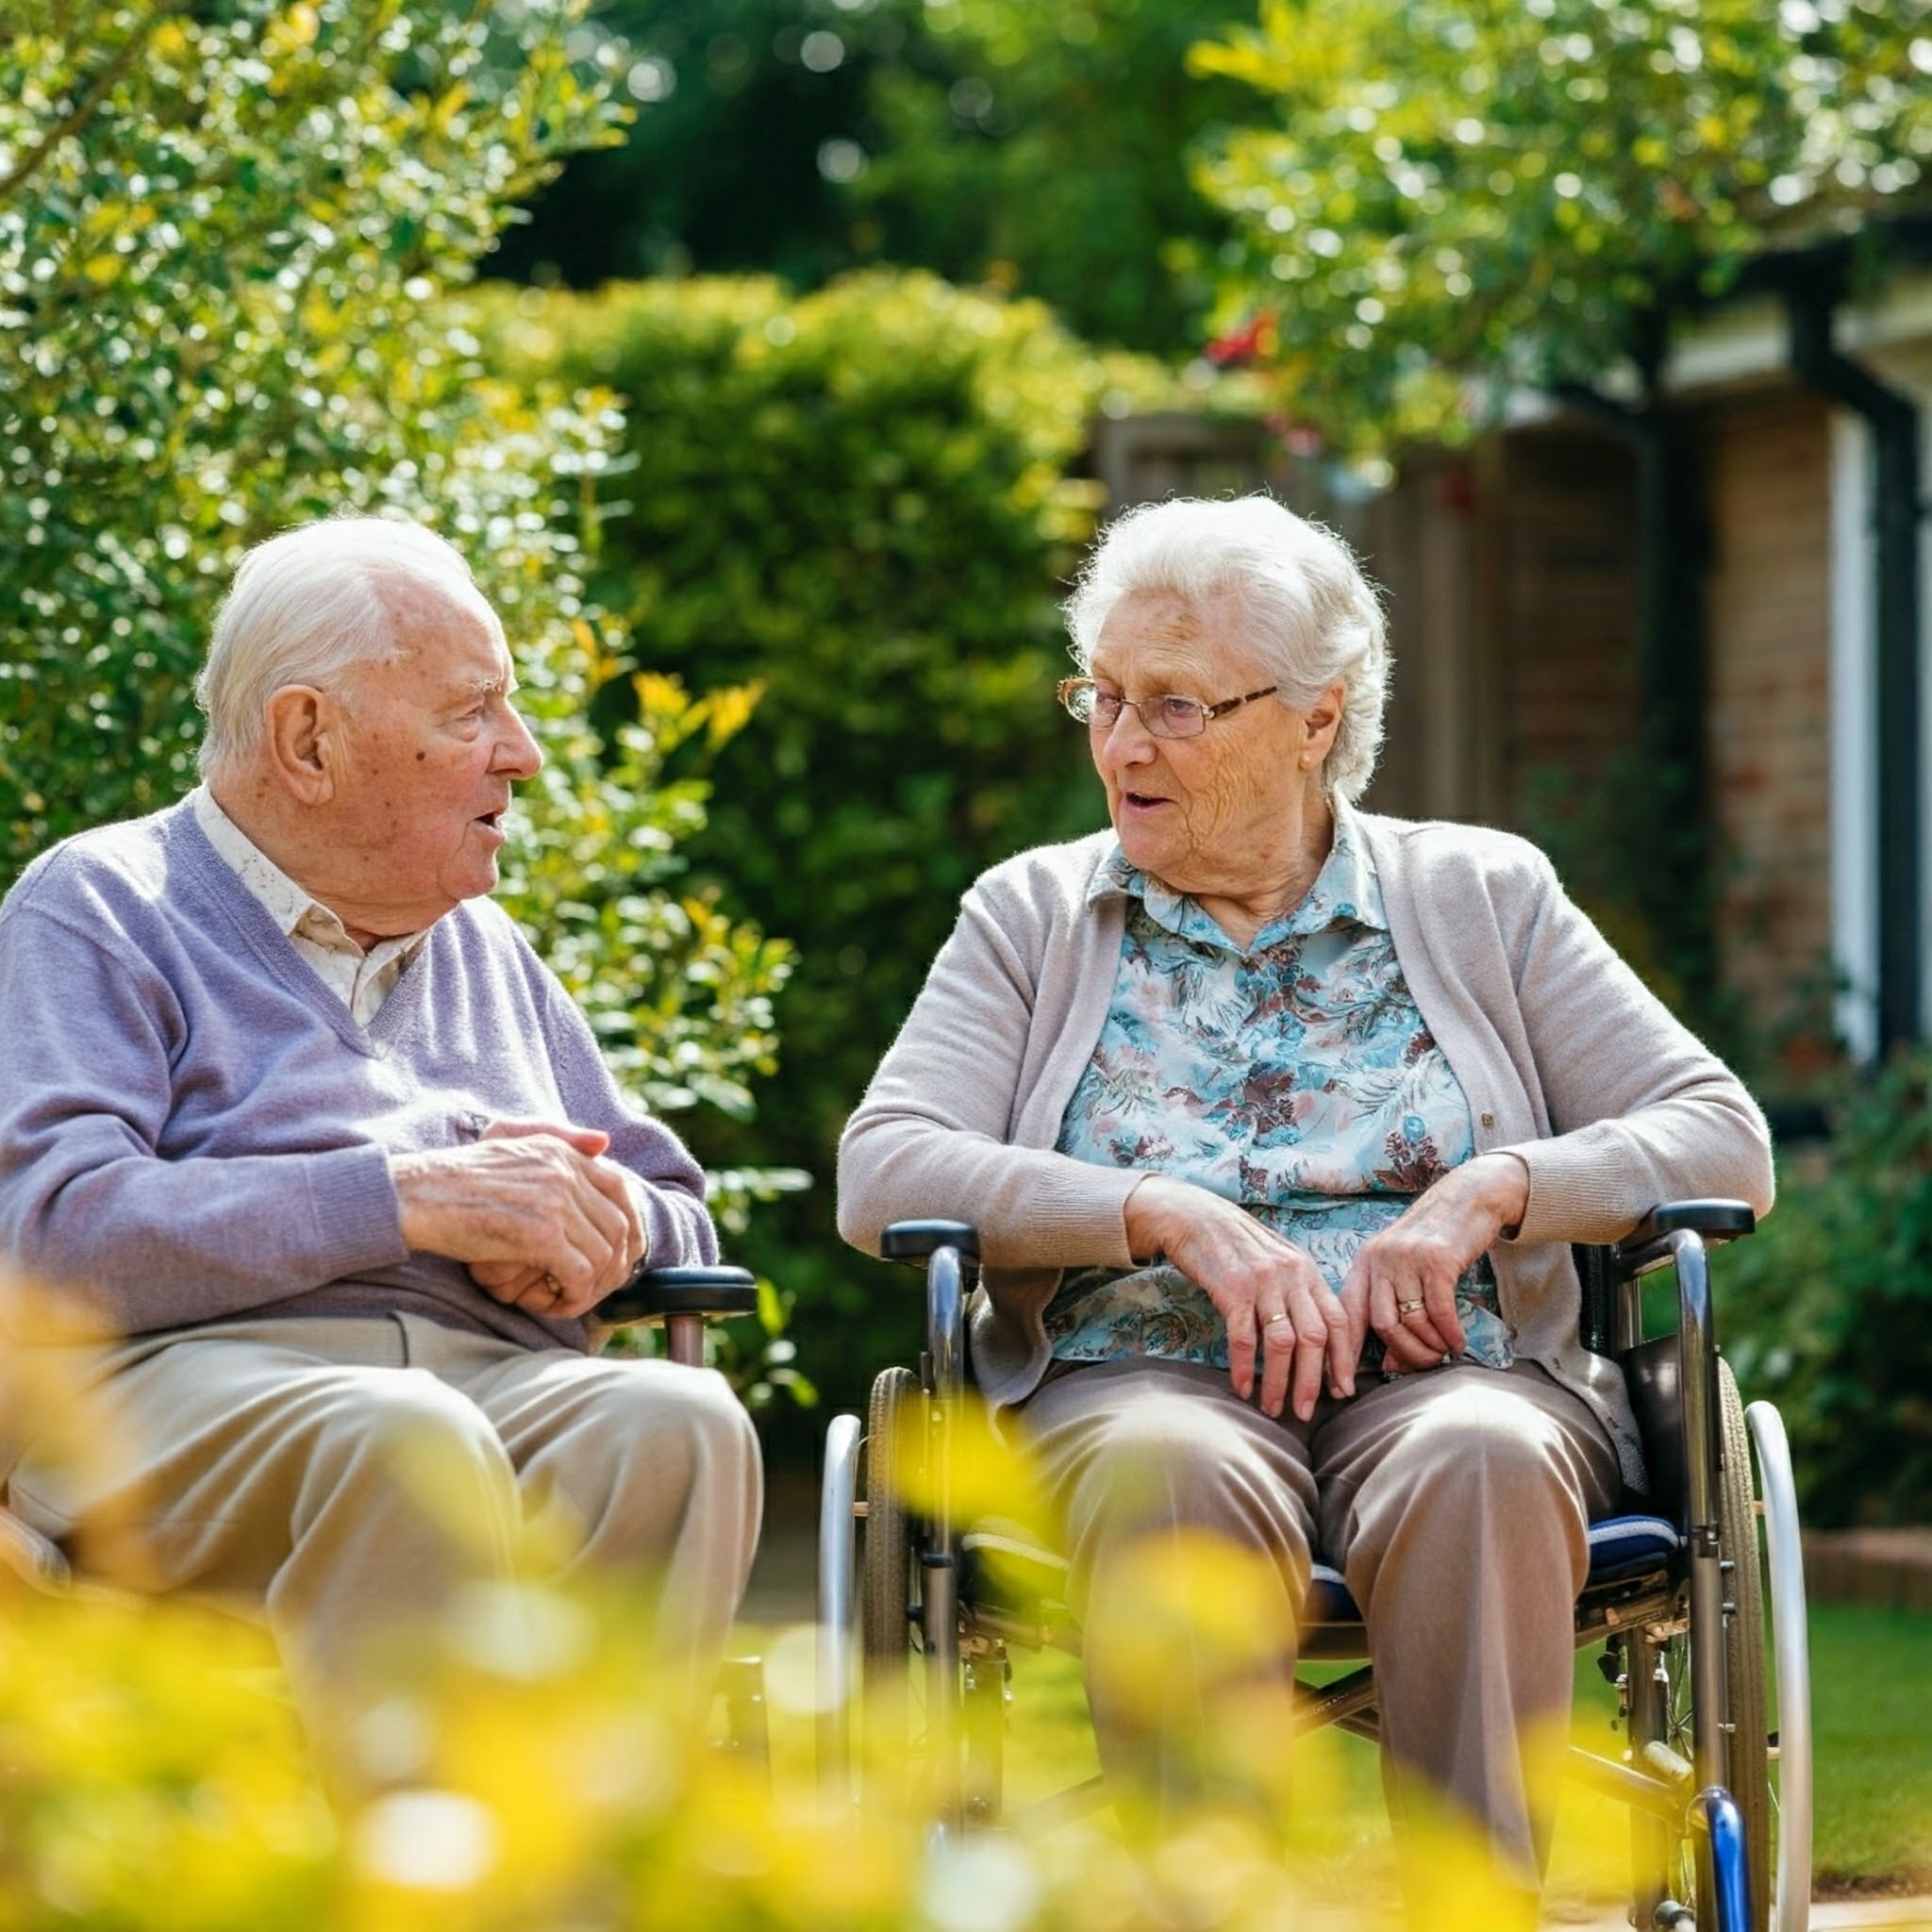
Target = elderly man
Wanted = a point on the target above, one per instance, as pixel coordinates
(294, 1110)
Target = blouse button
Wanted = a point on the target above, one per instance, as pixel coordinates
(1489, 1119)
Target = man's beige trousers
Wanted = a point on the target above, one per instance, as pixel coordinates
(347, 1477)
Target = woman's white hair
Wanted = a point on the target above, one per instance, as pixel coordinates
(310, 606)
(1300, 603)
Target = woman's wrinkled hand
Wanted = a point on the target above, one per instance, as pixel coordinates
(1403, 1283)
(1277, 1309)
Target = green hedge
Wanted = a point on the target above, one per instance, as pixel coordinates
(1828, 1310)
(867, 500)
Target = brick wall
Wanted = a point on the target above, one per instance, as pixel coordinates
(1766, 470)
(1419, 542)
(1512, 577)
(1560, 586)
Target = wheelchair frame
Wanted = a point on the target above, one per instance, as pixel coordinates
(1672, 1620)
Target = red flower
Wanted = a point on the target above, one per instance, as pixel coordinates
(1242, 345)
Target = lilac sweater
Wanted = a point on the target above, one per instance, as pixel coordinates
(192, 1127)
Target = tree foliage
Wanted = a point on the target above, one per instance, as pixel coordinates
(1041, 150)
(222, 234)
(1045, 148)
(226, 235)
(736, 152)
(1437, 191)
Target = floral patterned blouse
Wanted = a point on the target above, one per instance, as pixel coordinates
(1295, 1076)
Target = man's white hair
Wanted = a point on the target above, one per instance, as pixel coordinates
(310, 606)
(1293, 592)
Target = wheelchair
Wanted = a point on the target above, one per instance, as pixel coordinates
(1676, 1596)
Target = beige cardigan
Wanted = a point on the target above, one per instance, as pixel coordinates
(1566, 1058)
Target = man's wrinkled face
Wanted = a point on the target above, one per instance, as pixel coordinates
(430, 746)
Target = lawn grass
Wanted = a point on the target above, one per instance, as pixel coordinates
(1872, 1712)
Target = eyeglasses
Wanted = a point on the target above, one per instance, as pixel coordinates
(1166, 716)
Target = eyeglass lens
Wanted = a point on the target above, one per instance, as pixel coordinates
(1167, 715)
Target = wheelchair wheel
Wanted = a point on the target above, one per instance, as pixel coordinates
(1676, 1880)
(888, 1575)
(1791, 1674)
(1749, 1739)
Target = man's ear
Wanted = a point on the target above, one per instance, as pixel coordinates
(303, 742)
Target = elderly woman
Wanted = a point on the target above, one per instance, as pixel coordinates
(1277, 1119)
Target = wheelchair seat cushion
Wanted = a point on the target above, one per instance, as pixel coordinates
(1005, 1569)
(1621, 1545)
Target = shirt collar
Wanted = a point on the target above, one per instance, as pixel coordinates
(1346, 892)
(295, 911)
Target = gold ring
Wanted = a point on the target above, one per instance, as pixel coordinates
(1283, 1320)
(554, 1286)
(1408, 1307)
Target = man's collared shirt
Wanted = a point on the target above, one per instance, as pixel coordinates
(361, 980)
(1294, 1076)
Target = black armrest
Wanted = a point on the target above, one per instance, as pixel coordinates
(653, 1294)
(1601, 1268)
(914, 1240)
(1716, 1221)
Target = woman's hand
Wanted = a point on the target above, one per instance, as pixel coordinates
(1269, 1293)
(1403, 1283)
